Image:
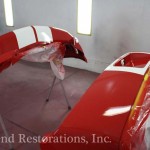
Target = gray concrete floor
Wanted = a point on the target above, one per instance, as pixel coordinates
(23, 90)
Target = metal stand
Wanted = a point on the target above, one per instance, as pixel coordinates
(64, 92)
(5, 132)
(62, 86)
(50, 91)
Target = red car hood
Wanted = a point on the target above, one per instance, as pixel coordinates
(90, 114)
(105, 109)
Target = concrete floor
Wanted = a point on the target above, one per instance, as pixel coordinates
(23, 90)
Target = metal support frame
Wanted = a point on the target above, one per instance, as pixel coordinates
(5, 132)
(63, 89)
(50, 91)
(67, 101)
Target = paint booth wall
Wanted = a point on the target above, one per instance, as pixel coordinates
(118, 26)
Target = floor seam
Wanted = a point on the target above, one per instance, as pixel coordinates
(19, 126)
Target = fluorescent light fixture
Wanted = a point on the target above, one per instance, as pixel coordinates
(8, 12)
(84, 17)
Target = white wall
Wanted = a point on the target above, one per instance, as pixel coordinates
(118, 26)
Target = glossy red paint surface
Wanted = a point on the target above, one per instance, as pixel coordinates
(105, 110)
(61, 35)
(8, 42)
(88, 118)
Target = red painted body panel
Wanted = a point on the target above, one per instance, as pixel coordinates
(70, 42)
(8, 48)
(135, 60)
(61, 36)
(104, 110)
(8, 42)
(10, 52)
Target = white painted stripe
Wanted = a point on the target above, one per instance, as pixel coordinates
(136, 70)
(25, 36)
(44, 34)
